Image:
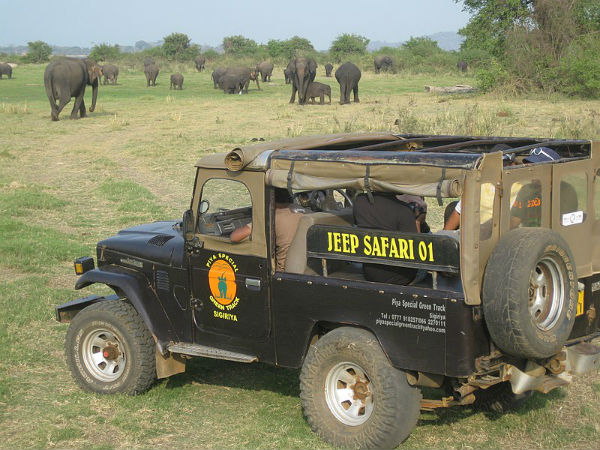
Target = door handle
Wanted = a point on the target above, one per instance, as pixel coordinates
(253, 284)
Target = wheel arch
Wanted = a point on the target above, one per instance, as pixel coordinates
(323, 327)
(137, 290)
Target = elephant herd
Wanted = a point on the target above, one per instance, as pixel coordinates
(66, 78)
(300, 73)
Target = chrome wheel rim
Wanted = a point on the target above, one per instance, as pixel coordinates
(547, 296)
(103, 355)
(348, 394)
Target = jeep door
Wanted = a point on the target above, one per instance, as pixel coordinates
(229, 280)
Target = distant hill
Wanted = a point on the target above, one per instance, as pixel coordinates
(447, 40)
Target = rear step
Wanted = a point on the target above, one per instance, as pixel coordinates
(209, 352)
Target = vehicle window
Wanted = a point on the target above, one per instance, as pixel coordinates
(573, 199)
(229, 207)
(224, 195)
(526, 209)
(486, 210)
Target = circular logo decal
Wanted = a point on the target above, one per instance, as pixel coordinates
(221, 279)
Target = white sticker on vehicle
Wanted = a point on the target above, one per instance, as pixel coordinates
(572, 218)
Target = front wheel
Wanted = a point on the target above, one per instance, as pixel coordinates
(352, 396)
(109, 349)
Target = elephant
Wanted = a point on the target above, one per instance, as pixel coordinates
(199, 61)
(348, 76)
(462, 66)
(151, 71)
(328, 69)
(316, 89)
(384, 62)
(176, 81)
(111, 73)
(218, 73)
(265, 69)
(67, 77)
(5, 69)
(232, 83)
(287, 74)
(149, 61)
(245, 74)
(303, 71)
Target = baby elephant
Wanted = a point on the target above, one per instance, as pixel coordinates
(316, 89)
(176, 81)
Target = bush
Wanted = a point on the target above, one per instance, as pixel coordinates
(105, 52)
(239, 46)
(38, 52)
(492, 76)
(579, 69)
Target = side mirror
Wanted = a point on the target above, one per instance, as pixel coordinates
(188, 225)
(204, 205)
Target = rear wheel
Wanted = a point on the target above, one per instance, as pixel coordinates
(352, 396)
(530, 293)
(109, 349)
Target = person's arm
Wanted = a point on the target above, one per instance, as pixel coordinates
(241, 233)
(453, 221)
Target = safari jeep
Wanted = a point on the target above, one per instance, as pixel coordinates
(500, 308)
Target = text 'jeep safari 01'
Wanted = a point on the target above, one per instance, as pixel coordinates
(507, 304)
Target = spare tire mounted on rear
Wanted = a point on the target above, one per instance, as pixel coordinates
(530, 293)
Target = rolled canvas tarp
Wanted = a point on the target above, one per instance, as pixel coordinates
(240, 157)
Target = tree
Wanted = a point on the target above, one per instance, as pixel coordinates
(175, 45)
(490, 21)
(422, 46)
(141, 45)
(105, 52)
(346, 45)
(38, 52)
(289, 48)
(239, 46)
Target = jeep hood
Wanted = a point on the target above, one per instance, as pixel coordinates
(160, 242)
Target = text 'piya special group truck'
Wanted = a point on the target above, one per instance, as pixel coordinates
(504, 306)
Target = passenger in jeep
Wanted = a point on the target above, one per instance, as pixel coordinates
(526, 210)
(287, 217)
(385, 212)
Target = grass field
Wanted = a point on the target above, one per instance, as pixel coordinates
(65, 185)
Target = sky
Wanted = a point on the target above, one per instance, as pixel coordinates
(86, 23)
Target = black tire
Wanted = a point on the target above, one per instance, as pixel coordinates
(109, 349)
(500, 398)
(530, 293)
(387, 407)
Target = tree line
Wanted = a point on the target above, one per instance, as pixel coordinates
(545, 45)
(510, 45)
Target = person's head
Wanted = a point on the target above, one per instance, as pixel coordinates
(541, 154)
(418, 206)
(416, 203)
(508, 159)
(282, 196)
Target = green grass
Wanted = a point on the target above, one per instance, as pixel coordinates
(65, 185)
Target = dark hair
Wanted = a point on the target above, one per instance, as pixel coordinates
(500, 147)
(282, 196)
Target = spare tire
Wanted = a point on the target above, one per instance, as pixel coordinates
(530, 293)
